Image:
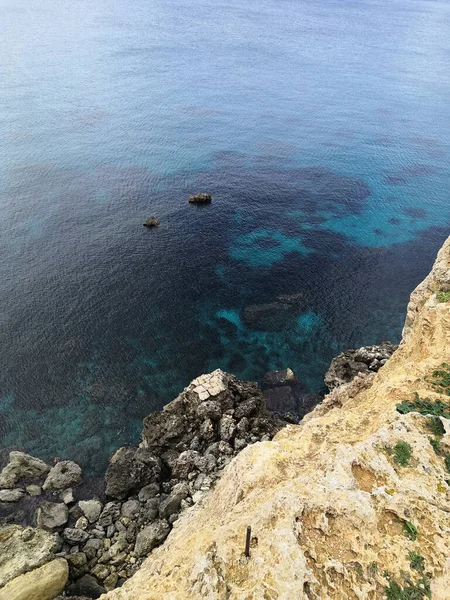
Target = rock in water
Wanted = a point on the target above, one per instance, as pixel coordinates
(151, 222)
(44, 583)
(368, 359)
(200, 199)
(21, 466)
(63, 475)
(11, 495)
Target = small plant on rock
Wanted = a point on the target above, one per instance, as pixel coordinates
(410, 530)
(402, 453)
(436, 444)
(417, 561)
(424, 407)
(443, 296)
(440, 379)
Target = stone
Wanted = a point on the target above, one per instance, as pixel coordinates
(77, 559)
(75, 536)
(151, 222)
(94, 543)
(131, 469)
(91, 509)
(150, 537)
(11, 495)
(200, 199)
(51, 515)
(172, 503)
(209, 409)
(23, 549)
(109, 514)
(64, 474)
(130, 508)
(110, 582)
(33, 490)
(149, 491)
(82, 523)
(100, 572)
(67, 496)
(43, 583)
(21, 466)
(86, 586)
(185, 464)
(227, 428)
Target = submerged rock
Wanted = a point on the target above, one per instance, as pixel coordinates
(368, 359)
(200, 199)
(11, 495)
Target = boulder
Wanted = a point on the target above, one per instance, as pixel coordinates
(172, 503)
(109, 514)
(131, 469)
(63, 475)
(21, 466)
(200, 199)
(150, 537)
(43, 583)
(75, 536)
(11, 495)
(368, 359)
(51, 515)
(23, 549)
(273, 379)
(91, 509)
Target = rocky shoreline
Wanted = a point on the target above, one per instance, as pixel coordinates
(96, 543)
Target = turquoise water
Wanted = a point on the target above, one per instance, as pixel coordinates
(321, 128)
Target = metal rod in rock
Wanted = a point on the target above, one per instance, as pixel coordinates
(247, 541)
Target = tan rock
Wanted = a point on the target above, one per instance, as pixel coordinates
(327, 503)
(44, 583)
(23, 549)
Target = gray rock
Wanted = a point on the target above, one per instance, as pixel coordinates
(11, 495)
(368, 359)
(51, 515)
(151, 509)
(210, 409)
(82, 523)
(91, 509)
(149, 491)
(172, 503)
(130, 508)
(21, 466)
(280, 378)
(63, 475)
(109, 514)
(185, 464)
(86, 586)
(131, 469)
(75, 536)
(150, 537)
(227, 428)
(67, 496)
(200, 199)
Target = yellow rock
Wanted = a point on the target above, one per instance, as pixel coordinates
(44, 583)
(325, 523)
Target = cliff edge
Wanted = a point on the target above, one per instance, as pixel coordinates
(353, 503)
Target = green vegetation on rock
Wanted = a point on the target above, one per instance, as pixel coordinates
(402, 453)
(443, 296)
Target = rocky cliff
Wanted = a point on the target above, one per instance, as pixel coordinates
(353, 503)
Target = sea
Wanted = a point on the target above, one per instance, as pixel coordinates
(320, 127)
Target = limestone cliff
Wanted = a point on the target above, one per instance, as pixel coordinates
(352, 503)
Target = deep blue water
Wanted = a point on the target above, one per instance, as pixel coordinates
(321, 127)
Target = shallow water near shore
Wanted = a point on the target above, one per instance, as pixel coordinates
(322, 130)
